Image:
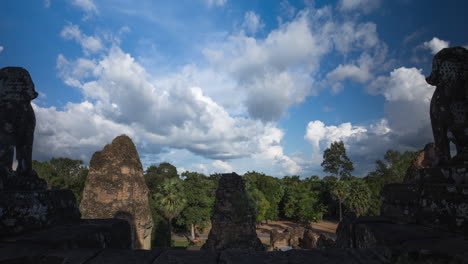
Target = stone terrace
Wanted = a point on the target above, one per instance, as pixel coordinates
(34, 253)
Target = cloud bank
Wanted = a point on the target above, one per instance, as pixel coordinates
(221, 114)
(406, 124)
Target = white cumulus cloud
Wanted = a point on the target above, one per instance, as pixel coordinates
(349, 36)
(89, 44)
(222, 111)
(435, 45)
(364, 6)
(222, 167)
(211, 3)
(274, 72)
(1, 48)
(357, 74)
(408, 97)
(88, 6)
(122, 97)
(406, 84)
(252, 22)
(321, 136)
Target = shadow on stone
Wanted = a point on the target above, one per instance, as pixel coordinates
(131, 221)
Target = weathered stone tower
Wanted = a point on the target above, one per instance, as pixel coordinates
(233, 220)
(116, 188)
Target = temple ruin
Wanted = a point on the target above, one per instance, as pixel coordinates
(423, 220)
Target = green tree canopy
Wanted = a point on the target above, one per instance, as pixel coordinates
(260, 203)
(169, 200)
(302, 204)
(325, 187)
(341, 192)
(271, 189)
(156, 175)
(359, 196)
(63, 173)
(391, 169)
(168, 170)
(395, 165)
(336, 162)
(199, 192)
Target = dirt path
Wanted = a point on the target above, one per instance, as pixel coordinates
(324, 226)
(327, 227)
(263, 231)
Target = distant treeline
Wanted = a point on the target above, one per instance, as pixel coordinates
(185, 202)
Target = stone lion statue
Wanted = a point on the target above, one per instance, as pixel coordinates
(449, 104)
(17, 120)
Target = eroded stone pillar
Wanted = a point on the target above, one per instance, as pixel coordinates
(233, 220)
(116, 188)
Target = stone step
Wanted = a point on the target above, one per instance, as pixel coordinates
(403, 239)
(34, 253)
(37, 254)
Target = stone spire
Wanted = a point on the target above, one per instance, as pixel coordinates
(233, 220)
(116, 187)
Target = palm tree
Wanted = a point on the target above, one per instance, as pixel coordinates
(359, 196)
(170, 201)
(341, 192)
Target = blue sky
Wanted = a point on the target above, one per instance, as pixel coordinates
(224, 85)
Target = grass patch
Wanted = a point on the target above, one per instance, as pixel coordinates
(181, 243)
(186, 243)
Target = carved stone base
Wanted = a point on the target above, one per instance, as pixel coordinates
(440, 206)
(18, 182)
(454, 174)
(31, 210)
